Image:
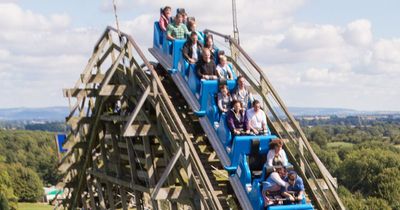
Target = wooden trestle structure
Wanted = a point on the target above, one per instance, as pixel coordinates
(127, 144)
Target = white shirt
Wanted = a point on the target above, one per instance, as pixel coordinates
(224, 71)
(194, 54)
(281, 156)
(256, 120)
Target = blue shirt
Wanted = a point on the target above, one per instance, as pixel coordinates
(297, 187)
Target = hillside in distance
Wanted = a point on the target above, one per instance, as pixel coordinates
(59, 113)
(46, 114)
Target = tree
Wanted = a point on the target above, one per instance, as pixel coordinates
(319, 136)
(355, 201)
(361, 169)
(388, 186)
(32, 149)
(3, 202)
(372, 203)
(26, 183)
(6, 189)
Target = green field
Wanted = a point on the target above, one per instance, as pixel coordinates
(339, 144)
(34, 206)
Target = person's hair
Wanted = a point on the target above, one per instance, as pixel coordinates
(292, 175)
(224, 86)
(190, 24)
(240, 77)
(181, 11)
(179, 14)
(207, 38)
(256, 102)
(237, 102)
(278, 165)
(205, 50)
(165, 9)
(276, 142)
(193, 33)
(222, 57)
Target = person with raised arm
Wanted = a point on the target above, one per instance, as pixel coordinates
(274, 185)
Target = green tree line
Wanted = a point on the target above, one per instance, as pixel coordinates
(365, 160)
(28, 161)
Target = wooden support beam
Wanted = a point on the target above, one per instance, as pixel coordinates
(79, 92)
(92, 78)
(136, 111)
(112, 90)
(91, 194)
(100, 195)
(111, 72)
(124, 201)
(172, 194)
(166, 173)
(132, 164)
(107, 90)
(118, 181)
(110, 195)
(140, 130)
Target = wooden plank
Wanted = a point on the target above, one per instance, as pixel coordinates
(166, 173)
(111, 72)
(75, 121)
(117, 181)
(101, 196)
(91, 194)
(79, 92)
(92, 78)
(124, 201)
(132, 166)
(110, 195)
(112, 90)
(172, 193)
(114, 118)
(140, 130)
(136, 111)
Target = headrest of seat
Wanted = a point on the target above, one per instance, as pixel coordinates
(255, 147)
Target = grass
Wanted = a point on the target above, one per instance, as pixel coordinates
(339, 144)
(34, 206)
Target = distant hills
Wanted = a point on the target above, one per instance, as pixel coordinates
(48, 113)
(59, 113)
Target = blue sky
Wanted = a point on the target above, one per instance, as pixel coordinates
(317, 53)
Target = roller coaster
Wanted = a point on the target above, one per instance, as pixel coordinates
(149, 135)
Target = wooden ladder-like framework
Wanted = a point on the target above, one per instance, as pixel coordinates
(126, 145)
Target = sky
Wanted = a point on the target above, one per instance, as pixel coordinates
(342, 54)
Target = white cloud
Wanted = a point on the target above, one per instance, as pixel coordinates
(15, 18)
(39, 56)
(359, 33)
